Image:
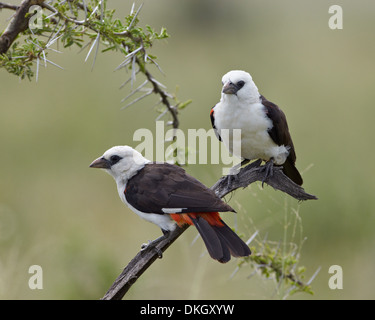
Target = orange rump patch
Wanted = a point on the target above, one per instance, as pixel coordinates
(213, 218)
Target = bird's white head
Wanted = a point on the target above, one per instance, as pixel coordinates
(238, 84)
(121, 162)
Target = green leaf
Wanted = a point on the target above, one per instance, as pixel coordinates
(183, 105)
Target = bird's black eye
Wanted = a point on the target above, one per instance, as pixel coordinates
(240, 84)
(114, 159)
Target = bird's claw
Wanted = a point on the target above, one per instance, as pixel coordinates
(231, 178)
(268, 168)
(233, 173)
(151, 245)
(144, 246)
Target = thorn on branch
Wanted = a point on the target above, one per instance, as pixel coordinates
(135, 91)
(138, 99)
(135, 16)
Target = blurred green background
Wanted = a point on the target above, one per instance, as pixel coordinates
(57, 213)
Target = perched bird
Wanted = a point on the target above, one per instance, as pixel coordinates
(264, 129)
(167, 196)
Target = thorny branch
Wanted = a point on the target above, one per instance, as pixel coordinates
(136, 57)
(164, 99)
(247, 175)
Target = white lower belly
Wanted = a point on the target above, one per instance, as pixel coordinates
(164, 221)
(258, 145)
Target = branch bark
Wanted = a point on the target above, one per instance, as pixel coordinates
(138, 265)
(8, 6)
(18, 24)
(255, 172)
(246, 176)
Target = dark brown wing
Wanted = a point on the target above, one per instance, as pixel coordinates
(281, 136)
(212, 116)
(161, 186)
(279, 132)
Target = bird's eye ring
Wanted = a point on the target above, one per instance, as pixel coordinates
(114, 159)
(240, 84)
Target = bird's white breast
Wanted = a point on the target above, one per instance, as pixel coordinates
(164, 221)
(251, 119)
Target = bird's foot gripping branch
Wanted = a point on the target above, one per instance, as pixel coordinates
(255, 172)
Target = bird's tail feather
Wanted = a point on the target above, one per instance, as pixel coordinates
(291, 171)
(215, 245)
(220, 240)
(236, 246)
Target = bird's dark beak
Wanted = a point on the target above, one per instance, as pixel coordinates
(230, 88)
(101, 163)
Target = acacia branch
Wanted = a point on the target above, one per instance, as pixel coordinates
(164, 99)
(246, 176)
(136, 53)
(18, 24)
(156, 87)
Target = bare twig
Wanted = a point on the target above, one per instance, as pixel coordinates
(247, 175)
(8, 6)
(254, 172)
